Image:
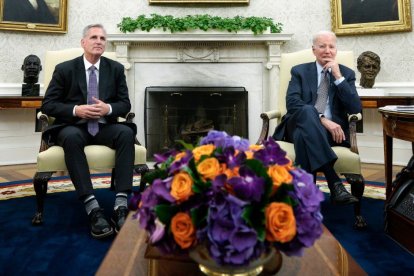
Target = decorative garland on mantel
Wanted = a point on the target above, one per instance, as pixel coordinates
(199, 22)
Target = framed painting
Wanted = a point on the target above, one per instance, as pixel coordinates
(358, 17)
(34, 15)
(198, 1)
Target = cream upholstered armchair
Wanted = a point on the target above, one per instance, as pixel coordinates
(51, 159)
(348, 163)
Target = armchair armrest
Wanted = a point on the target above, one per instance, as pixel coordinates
(266, 117)
(275, 114)
(129, 119)
(353, 119)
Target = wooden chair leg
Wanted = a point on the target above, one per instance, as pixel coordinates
(357, 189)
(112, 188)
(142, 170)
(40, 180)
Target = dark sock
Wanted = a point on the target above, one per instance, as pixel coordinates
(330, 175)
(90, 203)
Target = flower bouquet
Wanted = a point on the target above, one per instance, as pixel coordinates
(235, 199)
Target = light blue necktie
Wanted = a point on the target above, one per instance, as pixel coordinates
(93, 125)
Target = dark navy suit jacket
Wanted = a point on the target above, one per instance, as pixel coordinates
(68, 88)
(302, 90)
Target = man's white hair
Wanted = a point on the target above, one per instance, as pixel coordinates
(322, 33)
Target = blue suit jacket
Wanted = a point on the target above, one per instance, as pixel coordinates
(302, 90)
(68, 88)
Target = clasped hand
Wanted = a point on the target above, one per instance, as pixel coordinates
(92, 111)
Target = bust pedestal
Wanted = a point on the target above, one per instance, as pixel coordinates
(30, 89)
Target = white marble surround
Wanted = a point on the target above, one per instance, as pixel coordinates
(202, 59)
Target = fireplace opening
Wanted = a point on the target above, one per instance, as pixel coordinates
(175, 113)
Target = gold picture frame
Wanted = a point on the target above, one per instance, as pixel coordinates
(49, 16)
(198, 1)
(353, 17)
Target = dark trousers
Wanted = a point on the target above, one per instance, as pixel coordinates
(311, 140)
(120, 137)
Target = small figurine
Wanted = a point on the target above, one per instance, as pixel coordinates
(369, 65)
(31, 68)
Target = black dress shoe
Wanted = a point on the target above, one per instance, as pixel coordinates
(340, 196)
(100, 228)
(119, 216)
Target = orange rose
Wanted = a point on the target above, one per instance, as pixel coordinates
(183, 230)
(254, 147)
(280, 222)
(279, 175)
(179, 155)
(231, 172)
(203, 150)
(181, 186)
(209, 168)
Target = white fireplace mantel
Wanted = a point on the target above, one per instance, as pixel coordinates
(202, 59)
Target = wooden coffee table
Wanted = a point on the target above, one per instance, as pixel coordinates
(126, 257)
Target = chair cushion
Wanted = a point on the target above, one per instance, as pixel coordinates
(99, 157)
(348, 161)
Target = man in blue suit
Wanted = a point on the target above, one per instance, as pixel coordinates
(311, 131)
(68, 99)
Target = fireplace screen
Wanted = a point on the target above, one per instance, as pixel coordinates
(188, 113)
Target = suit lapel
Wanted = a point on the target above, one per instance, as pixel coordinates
(313, 81)
(82, 78)
(103, 78)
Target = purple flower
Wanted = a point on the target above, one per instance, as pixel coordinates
(161, 188)
(231, 240)
(228, 157)
(271, 154)
(176, 166)
(162, 157)
(158, 232)
(223, 140)
(306, 191)
(308, 226)
(309, 229)
(248, 186)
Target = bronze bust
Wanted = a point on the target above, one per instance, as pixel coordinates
(31, 67)
(369, 65)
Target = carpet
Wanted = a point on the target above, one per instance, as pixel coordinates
(16, 189)
(23, 188)
(64, 238)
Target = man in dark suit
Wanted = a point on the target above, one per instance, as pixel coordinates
(314, 131)
(28, 11)
(75, 111)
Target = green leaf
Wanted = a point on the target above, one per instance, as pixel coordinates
(202, 22)
(254, 217)
(165, 212)
(150, 176)
(199, 217)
